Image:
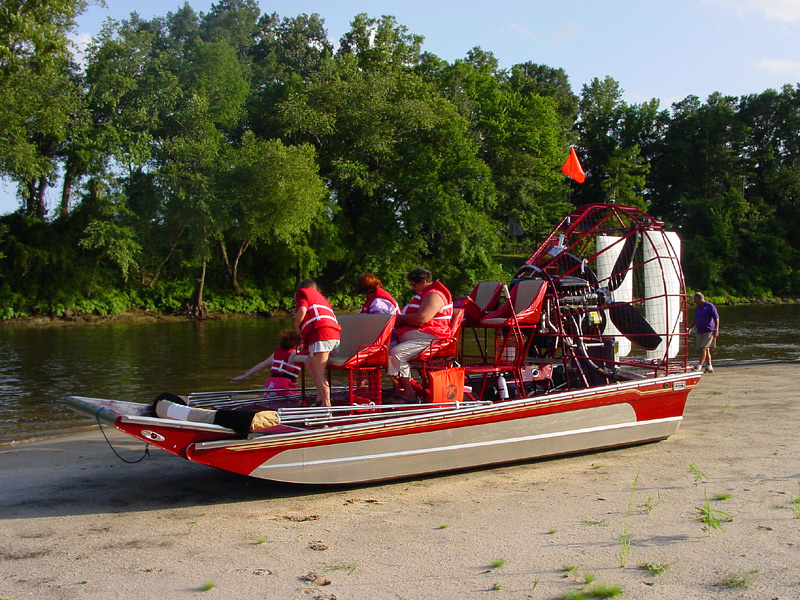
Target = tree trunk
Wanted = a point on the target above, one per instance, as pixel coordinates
(66, 192)
(34, 200)
(196, 307)
(228, 270)
(152, 281)
(242, 248)
(40, 208)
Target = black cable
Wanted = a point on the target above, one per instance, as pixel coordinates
(130, 462)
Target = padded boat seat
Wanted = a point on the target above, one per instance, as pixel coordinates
(483, 299)
(363, 351)
(524, 306)
(364, 342)
(444, 349)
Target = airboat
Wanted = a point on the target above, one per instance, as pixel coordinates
(584, 349)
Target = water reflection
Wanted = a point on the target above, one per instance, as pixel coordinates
(40, 367)
(758, 334)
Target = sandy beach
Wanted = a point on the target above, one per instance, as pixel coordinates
(78, 523)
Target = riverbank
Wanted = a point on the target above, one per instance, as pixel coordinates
(149, 316)
(77, 523)
(144, 316)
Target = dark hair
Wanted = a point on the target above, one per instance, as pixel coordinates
(307, 283)
(289, 338)
(367, 283)
(419, 275)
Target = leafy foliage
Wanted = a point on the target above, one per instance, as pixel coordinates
(210, 161)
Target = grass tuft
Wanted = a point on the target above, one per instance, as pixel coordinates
(655, 568)
(712, 517)
(739, 580)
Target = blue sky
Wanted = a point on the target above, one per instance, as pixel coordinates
(665, 49)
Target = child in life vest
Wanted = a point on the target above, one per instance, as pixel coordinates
(282, 373)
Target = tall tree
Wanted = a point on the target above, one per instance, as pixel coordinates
(275, 195)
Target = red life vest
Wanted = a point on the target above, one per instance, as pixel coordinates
(319, 323)
(281, 367)
(439, 325)
(382, 294)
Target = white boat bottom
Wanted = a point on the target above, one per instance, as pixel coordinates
(465, 447)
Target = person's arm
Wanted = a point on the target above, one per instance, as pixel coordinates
(299, 315)
(431, 304)
(265, 364)
(716, 326)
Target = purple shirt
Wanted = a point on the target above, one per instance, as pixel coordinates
(706, 317)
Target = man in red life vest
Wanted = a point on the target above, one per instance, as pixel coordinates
(315, 322)
(426, 317)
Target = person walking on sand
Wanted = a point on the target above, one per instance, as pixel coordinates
(706, 323)
(315, 322)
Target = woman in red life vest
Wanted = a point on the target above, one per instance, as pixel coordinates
(378, 299)
(426, 317)
(315, 322)
(283, 373)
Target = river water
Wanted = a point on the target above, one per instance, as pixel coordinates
(39, 367)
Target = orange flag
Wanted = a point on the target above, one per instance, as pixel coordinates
(572, 168)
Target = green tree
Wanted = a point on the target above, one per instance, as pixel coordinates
(407, 185)
(37, 92)
(275, 195)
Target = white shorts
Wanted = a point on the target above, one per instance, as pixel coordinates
(323, 346)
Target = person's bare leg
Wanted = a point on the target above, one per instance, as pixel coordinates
(408, 392)
(397, 386)
(316, 368)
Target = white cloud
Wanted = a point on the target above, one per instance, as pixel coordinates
(517, 29)
(80, 41)
(568, 31)
(784, 67)
(787, 11)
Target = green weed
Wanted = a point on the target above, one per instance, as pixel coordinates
(650, 503)
(345, 567)
(722, 496)
(599, 591)
(796, 503)
(739, 580)
(624, 539)
(497, 564)
(207, 587)
(711, 517)
(655, 568)
(698, 476)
